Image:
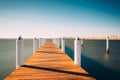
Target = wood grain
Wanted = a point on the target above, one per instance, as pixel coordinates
(49, 63)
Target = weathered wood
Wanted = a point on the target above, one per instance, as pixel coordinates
(49, 63)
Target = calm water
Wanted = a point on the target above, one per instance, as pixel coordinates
(100, 65)
(8, 52)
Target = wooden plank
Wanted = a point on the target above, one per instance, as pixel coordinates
(49, 63)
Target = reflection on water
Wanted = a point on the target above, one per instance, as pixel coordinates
(96, 61)
(106, 57)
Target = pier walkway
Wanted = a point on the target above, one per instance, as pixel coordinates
(49, 63)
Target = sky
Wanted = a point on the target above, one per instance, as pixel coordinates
(59, 18)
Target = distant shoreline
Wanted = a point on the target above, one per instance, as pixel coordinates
(101, 38)
(94, 38)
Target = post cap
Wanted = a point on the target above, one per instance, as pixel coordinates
(19, 38)
(78, 38)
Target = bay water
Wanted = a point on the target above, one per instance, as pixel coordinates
(8, 55)
(95, 60)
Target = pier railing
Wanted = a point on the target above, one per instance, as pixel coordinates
(37, 43)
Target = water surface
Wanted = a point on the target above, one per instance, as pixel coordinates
(8, 55)
(100, 65)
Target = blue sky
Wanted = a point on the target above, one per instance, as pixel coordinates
(58, 18)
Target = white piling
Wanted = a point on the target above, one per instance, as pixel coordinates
(39, 42)
(43, 41)
(34, 44)
(58, 42)
(107, 45)
(19, 52)
(52, 39)
(77, 51)
(55, 40)
(63, 44)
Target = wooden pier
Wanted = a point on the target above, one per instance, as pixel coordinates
(49, 63)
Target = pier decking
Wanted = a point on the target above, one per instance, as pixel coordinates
(49, 63)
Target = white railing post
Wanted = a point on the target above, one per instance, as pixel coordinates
(43, 40)
(77, 51)
(34, 44)
(63, 44)
(107, 45)
(58, 42)
(19, 52)
(39, 42)
(55, 41)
